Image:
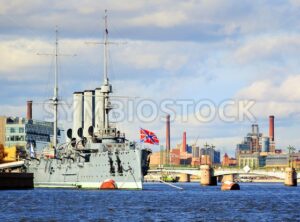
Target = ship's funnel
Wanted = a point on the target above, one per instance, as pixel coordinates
(77, 113)
(87, 112)
(99, 114)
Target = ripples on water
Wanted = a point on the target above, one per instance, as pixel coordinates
(157, 202)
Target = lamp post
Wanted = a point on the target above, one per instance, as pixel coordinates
(206, 146)
(291, 149)
(213, 150)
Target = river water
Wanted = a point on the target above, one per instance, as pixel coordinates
(157, 202)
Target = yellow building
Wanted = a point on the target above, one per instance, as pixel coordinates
(2, 129)
(253, 160)
(2, 154)
(8, 154)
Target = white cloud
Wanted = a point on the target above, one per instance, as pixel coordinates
(19, 7)
(153, 55)
(259, 90)
(282, 110)
(295, 2)
(266, 90)
(271, 47)
(87, 7)
(19, 54)
(221, 17)
(290, 88)
(279, 99)
(160, 19)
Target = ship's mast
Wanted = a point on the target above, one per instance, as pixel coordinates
(105, 49)
(106, 88)
(55, 98)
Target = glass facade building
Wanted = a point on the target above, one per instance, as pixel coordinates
(22, 133)
(214, 155)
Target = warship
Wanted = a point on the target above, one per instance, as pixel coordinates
(97, 155)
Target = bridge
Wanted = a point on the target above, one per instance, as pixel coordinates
(221, 172)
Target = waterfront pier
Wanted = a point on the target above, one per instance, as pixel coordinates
(207, 177)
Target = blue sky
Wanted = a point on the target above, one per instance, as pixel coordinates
(214, 50)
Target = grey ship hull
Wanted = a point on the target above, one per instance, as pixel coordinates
(127, 168)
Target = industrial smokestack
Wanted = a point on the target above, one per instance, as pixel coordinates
(271, 128)
(77, 113)
(29, 110)
(183, 149)
(87, 111)
(255, 129)
(168, 133)
(99, 114)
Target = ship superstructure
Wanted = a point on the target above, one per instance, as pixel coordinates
(97, 151)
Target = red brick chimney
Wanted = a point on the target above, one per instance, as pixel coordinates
(168, 133)
(29, 110)
(183, 149)
(271, 128)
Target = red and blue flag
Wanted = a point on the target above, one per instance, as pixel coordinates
(148, 137)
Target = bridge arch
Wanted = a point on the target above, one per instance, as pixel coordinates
(221, 172)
